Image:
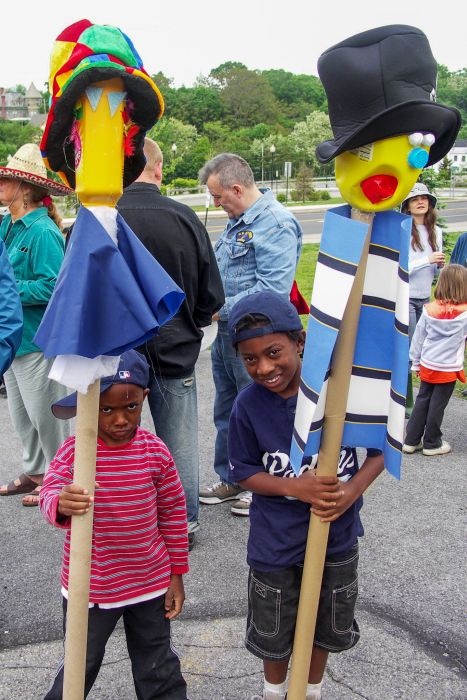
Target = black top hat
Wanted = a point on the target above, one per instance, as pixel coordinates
(382, 83)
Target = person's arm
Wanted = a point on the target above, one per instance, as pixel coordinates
(46, 259)
(322, 492)
(246, 466)
(210, 296)
(434, 258)
(276, 262)
(58, 482)
(352, 490)
(459, 252)
(417, 343)
(171, 513)
(11, 313)
(174, 597)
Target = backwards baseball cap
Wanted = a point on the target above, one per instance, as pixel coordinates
(281, 315)
(132, 369)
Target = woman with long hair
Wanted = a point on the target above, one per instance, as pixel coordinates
(425, 257)
(31, 232)
(425, 251)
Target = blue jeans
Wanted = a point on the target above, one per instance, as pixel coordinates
(415, 311)
(174, 409)
(229, 376)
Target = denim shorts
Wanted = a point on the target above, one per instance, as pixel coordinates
(273, 602)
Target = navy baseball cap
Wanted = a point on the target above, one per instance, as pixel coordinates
(132, 369)
(279, 311)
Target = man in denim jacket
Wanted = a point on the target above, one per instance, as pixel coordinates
(259, 250)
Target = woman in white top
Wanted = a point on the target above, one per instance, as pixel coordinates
(425, 250)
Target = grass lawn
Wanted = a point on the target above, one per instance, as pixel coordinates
(306, 274)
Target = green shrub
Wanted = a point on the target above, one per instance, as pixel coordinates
(184, 183)
(281, 197)
(325, 195)
(313, 195)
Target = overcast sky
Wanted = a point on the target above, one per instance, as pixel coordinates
(183, 38)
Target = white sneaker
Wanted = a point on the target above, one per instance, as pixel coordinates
(443, 449)
(242, 505)
(410, 449)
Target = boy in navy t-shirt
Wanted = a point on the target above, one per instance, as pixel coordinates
(267, 332)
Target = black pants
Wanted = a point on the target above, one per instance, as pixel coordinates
(155, 666)
(427, 414)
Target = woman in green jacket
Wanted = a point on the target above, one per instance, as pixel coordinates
(35, 245)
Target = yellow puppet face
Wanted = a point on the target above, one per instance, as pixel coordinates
(378, 176)
(99, 143)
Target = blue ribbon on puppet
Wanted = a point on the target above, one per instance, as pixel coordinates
(107, 299)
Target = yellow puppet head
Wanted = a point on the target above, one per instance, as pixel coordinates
(85, 56)
(387, 125)
(379, 175)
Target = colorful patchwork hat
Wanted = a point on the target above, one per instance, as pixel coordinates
(28, 166)
(86, 53)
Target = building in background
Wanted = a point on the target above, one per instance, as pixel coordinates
(14, 106)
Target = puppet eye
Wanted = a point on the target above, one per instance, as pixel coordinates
(94, 95)
(416, 139)
(418, 158)
(428, 140)
(115, 99)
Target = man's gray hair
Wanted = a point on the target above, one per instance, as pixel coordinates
(230, 170)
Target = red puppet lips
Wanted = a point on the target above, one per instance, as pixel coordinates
(379, 187)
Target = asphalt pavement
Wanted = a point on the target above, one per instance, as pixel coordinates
(411, 605)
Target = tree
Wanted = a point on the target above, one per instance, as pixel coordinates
(260, 157)
(196, 106)
(220, 75)
(444, 171)
(308, 134)
(248, 99)
(162, 81)
(169, 131)
(13, 135)
(452, 91)
(303, 183)
(298, 95)
(194, 159)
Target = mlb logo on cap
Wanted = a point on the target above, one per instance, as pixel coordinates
(134, 370)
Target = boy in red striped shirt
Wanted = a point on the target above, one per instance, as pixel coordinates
(140, 540)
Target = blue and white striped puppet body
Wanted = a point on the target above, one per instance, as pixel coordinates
(375, 409)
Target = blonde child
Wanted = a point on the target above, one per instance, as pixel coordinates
(437, 355)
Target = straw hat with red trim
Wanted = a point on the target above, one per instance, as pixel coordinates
(27, 165)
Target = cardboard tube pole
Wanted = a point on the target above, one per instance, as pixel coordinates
(328, 460)
(80, 547)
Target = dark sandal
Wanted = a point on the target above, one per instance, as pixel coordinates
(33, 495)
(26, 485)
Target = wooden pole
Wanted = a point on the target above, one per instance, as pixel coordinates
(80, 547)
(328, 460)
(99, 182)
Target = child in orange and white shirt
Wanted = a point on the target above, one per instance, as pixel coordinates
(437, 355)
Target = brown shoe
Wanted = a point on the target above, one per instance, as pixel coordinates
(23, 484)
